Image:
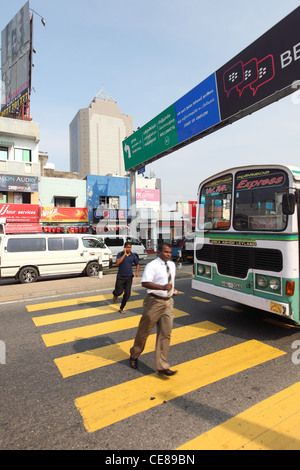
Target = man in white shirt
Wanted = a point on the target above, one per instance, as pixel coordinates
(159, 280)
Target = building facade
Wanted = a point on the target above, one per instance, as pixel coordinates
(96, 134)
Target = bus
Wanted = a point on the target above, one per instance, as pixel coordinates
(247, 238)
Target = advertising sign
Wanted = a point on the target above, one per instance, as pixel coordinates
(268, 65)
(20, 212)
(112, 216)
(148, 198)
(23, 184)
(64, 214)
(264, 72)
(15, 60)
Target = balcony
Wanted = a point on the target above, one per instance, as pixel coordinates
(11, 167)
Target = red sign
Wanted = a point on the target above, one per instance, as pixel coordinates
(20, 212)
(64, 214)
(23, 228)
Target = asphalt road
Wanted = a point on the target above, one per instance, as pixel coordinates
(66, 381)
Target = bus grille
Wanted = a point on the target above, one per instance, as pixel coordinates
(236, 261)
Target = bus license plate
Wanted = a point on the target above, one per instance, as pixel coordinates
(231, 285)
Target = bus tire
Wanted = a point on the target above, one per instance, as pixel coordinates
(92, 269)
(28, 274)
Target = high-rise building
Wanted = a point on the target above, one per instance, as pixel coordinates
(96, 134)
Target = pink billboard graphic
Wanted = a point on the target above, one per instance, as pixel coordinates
(252, 74)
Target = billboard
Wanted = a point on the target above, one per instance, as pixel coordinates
(64, 214)
(16, 62)
(264, 72)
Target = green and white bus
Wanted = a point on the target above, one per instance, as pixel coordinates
(247, 238)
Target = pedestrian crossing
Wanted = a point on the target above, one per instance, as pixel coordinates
(102, 408)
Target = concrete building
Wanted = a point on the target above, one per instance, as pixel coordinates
(19, 161)
(96, 134)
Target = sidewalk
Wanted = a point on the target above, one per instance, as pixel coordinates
(13, 291)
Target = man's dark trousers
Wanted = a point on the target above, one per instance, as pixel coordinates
(123, 284)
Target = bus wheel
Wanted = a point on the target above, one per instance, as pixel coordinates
(28, 274)
(92, 269)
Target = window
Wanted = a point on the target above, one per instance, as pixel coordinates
(110, 202)
(61, 201)
(215, 204)
(59, 243)
(91, 243)
(55, 244)
(114, 241)
(22, 155)
(3, 153)
(3, 197)
(70, 243)
(16, 245)
(258, 200)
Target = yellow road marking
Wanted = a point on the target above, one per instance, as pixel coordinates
(85, 313)
(66, 303)
(272, 424)
(95, 358)
(279, 323)
(108, 406)
(75, 334)
(201, 299)
(233, 309)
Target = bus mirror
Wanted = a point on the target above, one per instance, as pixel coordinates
(288, 204)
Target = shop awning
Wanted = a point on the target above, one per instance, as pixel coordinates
(12, 228)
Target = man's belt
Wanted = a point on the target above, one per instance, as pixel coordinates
(159, 297)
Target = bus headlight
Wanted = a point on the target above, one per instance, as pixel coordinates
(261, 282)
(274, 284)
(200, 269)
(208, 271)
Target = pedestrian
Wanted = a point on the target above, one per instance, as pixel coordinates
(125, 260)
(158, 278)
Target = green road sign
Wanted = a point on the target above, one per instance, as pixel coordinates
(157, 136)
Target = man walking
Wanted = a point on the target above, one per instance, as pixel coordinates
(125, 260)
(158, 278)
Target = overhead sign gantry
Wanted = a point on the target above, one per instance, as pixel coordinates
(264, 72)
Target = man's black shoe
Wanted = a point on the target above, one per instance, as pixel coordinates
(167, 372)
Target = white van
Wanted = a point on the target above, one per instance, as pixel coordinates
(26, 257)
(116, 244)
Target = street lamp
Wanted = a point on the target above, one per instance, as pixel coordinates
(42, 19)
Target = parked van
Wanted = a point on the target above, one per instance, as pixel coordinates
(26, 257)
(117, 242)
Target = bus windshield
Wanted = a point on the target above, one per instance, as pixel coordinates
(258, 200)
(215, 204)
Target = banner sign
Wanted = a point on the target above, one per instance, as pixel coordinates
(64, 214)
(23, 184)
(112, 216)
(260, 71)
(264, 72)
(20, 212)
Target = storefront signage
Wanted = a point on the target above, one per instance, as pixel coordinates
(20, 212)
(64, 214)
(111, 216)
(23, 184)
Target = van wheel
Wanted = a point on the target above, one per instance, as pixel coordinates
(92, 269)
(27, 275)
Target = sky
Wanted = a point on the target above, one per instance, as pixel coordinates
(147, 55)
